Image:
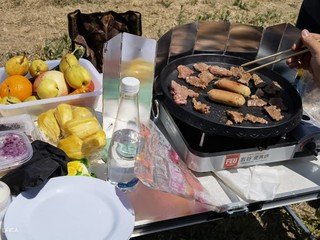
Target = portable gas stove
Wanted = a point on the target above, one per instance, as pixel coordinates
(204, 151)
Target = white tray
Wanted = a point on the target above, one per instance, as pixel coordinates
(34, 108)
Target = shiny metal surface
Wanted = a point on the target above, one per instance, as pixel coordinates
(242, 40)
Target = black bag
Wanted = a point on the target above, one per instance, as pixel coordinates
(92, 30)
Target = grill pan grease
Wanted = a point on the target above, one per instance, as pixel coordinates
(215, 121)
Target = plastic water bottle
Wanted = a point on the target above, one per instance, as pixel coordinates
(125, 140)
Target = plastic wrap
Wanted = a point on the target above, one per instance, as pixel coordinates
(159, 167)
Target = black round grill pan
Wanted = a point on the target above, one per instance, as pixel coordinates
(215, 121)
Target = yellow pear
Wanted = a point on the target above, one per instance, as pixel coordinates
(68, 60)
(77, 76)
(31, 98)
(37, 67)
(9, 100)
(18, 65)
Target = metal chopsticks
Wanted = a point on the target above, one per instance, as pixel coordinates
(275, 61)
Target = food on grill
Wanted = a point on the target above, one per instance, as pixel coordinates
(274, 112)
(197, 82)
(220, 71)
(272, 88)
(235, 116)
(233, 86)
(229, 122)
(200, 107)
(258, 82)
(238, 117)
(226, 97)
(240, 73)
(256, 102)
(184, 71)
(259, 93)
(206, 76)
(254, 119)
(201, 66)
(180, 93)
(278, 102)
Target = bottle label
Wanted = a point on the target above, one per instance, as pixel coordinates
(130, 184)
(127, 150)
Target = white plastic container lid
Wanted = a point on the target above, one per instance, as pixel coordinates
(15, 149)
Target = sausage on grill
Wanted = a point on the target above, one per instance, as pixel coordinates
(226, 97)
(233, 86)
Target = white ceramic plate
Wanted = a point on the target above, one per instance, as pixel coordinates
(70, 207)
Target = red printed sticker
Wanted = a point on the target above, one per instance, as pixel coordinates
(231, 160)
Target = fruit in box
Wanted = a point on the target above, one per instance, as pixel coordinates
(9, 100)
(63, 114)
(77, 76)
(16, 86)
(58, 77)
(82, 128)
(79, 136)
(48, 124)
(37, 67)
(47, 89)
(17, 65)
(68, 60)
(72, 146)
(35, 108)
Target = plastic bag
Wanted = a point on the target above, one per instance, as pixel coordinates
(158, 166)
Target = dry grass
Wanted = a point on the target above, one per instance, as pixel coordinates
(39, 28)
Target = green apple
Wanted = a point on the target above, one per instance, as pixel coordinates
(77, 76)
(37, 67)
(47, 88)
(58, 77)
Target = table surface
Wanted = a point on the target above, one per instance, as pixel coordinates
(299, 181)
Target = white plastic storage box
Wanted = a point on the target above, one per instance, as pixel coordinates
(34, 108)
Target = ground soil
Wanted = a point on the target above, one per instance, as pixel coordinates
(27, 25)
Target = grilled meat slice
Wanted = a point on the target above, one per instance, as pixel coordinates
(240, 73)
(184, 71)
(258, 82)
(274, 112)
(255, 119)
(181, 93)
(237, 71)
(206, 76)
(256, 102)
(220, 71)
(235, 116)
(197, 82)
(201, 66)
(200, 107)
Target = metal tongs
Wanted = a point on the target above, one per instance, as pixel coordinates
(275, 61)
